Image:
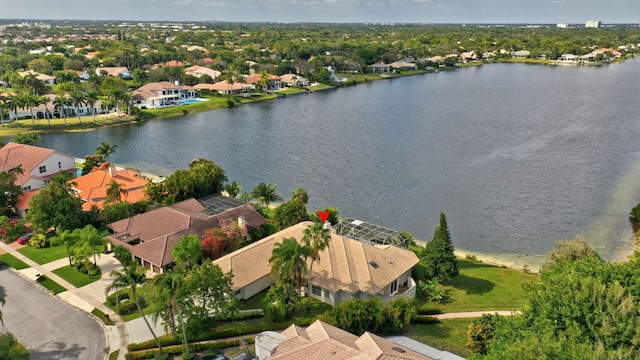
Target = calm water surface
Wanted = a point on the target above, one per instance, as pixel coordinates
(517, 156)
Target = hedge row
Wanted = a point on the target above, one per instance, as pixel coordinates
(144, 355)
(112, 299)
(425, 319)
(429, 311)
(219, 334)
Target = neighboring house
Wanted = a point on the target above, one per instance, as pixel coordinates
(226, 88)
(294, 80)
(49, 111)
(469, 56)
(151, 236)
(568, 58)
(321, 341)
(347, 268)
(334, 77)
(520, 54)
(403, 65)
(92, 187)
(39, 165)
(120, 71)
(83, 75)
(162, 94)
(275, 82)
(46, 79)
(198, 71)
(380, 68)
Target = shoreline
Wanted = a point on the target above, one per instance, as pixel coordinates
(175, 111)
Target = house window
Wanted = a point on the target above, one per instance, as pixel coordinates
(316, 290)
(59, 165)
(394, 286)
(42, 169)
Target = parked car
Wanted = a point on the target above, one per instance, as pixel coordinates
(22, 240)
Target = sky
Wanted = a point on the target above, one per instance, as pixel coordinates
(377, 11)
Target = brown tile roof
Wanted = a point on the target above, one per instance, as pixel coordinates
(161, 229)
(222, 86)
(12, 155)
(252, 79)
(345, 264)
(112, 71)
(323, 341)
(23, 200)
(92, 187)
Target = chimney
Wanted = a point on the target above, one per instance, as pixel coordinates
(241, 222)
(327, 225)
(112, 171)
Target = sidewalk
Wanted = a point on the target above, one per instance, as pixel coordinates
(86, 298)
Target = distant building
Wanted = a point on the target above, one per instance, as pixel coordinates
(592, 24)
(562, 25)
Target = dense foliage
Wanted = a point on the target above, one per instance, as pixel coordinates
(10, 349)
(438, 254)
(357, 316)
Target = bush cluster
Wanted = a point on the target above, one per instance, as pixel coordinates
(179, 349)
(112, 299)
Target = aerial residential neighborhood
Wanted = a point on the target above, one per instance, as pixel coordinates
(101, 260)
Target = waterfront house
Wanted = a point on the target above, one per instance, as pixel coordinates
(151, 236)
(162, 94)
(568, 58)
(294, 80)
(520, 54)
(92, 187)
(380, 68)
(226, 88)
(403, 65)
(321, 341)
(275, 82)
(48, 110)
(39, 166)
(347, 268)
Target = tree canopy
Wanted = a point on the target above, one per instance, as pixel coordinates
(438, 254)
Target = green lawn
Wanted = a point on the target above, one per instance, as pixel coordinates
(481, 287)
(57, 125)
(291, 90)
(449, 335)
(12, 261)
(102, 316)
(51, 285)
(44, 255)
(143, 291)
(75, 277)
(254, 302)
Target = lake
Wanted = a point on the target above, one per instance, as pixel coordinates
(517, 156)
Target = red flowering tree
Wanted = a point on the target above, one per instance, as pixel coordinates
(224, 239)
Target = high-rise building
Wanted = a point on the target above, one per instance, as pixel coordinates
(592, 24)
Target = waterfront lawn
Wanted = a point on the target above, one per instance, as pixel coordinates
(449, 335)
(75, 277)
(51, 285)
(212, 103)
(44, 255)
(319, 87)
(291, 90)
(480, 287)
(13, 261)
(57, 125)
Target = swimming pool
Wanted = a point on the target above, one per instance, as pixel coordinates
(191, 101)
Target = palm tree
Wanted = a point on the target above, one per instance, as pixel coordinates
(66, 238)
(232, 189)
(44, 100)
(170, 286)
(29, 102)
(131, 276)
(105, 149)
(316, 238)
(78, 99)
(15, 103)
(4, 102)
(266, 194)
(60, 104)
(289, 261)
(264, 80)
(81, 253)
(115, 191)
(92, 99)
(91, 236)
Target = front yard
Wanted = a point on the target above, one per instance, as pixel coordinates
(44, 255)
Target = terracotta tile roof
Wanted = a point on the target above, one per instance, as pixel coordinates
(323, 341)
(252, 79)
(222, 86)
(112, 71)
(12, 155)
(23, 200)
(345, 264)
(159, 86)
(92, 187)
(160, 229)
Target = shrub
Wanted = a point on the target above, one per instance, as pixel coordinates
(423, 319)
(112, 299)
(127, 307)
(39, 241)
(471, 257)
(230, 103)
(187, 356)
(429, 311)
(161, 356)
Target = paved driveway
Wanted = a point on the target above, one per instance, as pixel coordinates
(49, 328)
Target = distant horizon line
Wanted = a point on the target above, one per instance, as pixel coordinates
(314, 22)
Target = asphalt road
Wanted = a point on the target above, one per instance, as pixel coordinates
(49, 328)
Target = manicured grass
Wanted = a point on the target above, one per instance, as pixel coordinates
(292, 90)
(51, 285)
(214, 102)
(145, 292)
(44, 255)
(57, 125)
(102, 316)
(12, 261)
(75, 277)
(254, 302)
(449, 335)
(319, 87)
(481, 287)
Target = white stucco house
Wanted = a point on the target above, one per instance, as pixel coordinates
(162, 94)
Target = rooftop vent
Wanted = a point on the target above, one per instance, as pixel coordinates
(400, 350)
(374, 264)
